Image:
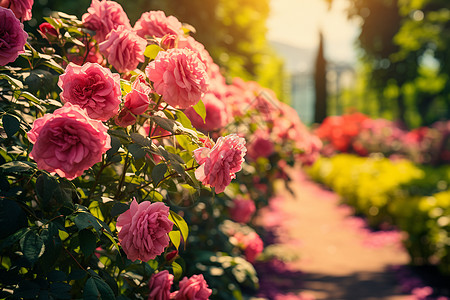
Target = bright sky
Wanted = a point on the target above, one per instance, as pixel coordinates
(297, 23)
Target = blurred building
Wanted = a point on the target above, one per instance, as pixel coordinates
(299, 64)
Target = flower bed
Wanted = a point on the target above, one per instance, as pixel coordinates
(123, 159)
(413, 198)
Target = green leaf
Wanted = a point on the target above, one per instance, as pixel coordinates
(18, 167)
(88, 242)
(180, 223)
(95, 289)
(119, 208)
(13, 238)
(61, 290)
(167, 124)
(32, 246)
(12, 217)
(115, 145)
(14, 82)
(183, 119)
(200, 109)
(45, 188)
(177, 270)
(112, 239)
(158, 173)
(151, 51)
(85, 220)
(186, 143)
(11, 124)
(136, 150)
(175, 238)
(140, 139)
(156, 196)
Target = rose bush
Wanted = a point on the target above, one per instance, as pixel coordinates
(105, 181)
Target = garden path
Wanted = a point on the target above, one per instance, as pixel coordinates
(339, 259)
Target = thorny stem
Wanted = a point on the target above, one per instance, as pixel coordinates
(166, 177)
(68, 252)
(122, 178)
(97, 177)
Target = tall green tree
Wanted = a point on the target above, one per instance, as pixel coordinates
(405, 55)
(320, 84)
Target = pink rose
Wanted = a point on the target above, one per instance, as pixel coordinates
(143, 230)
(125, 118)
(124, 49)
(20, 8)
(219, 164)
(242, 209)
(216, 114)
(160, 285)
(68, 141)
(251, 243)
(103, 17)
(93, 88)
(260, 145)
(156, 24)
(202, 54)
(137, 100)
(179, 76)
(194, 288)
(12, 37)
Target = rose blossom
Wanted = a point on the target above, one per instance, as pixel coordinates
(179, 76)
(156, 24)
(143, 230)
(202, 54)
(103, 17)
(251, 243)
(93, 88)
(260, 146)
(160, 285)
(219, 164)
(20, 8)
(137, 100)
(194, 288)
(124, 49)
(242, 209)
(12, 37)
(216, 114)
(68, 141)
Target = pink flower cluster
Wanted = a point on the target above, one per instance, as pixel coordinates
(143, 230)
(219, 164)
(192, 288)
(68, 142)
(12, 37)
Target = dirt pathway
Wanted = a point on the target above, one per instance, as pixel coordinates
(339, 259)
